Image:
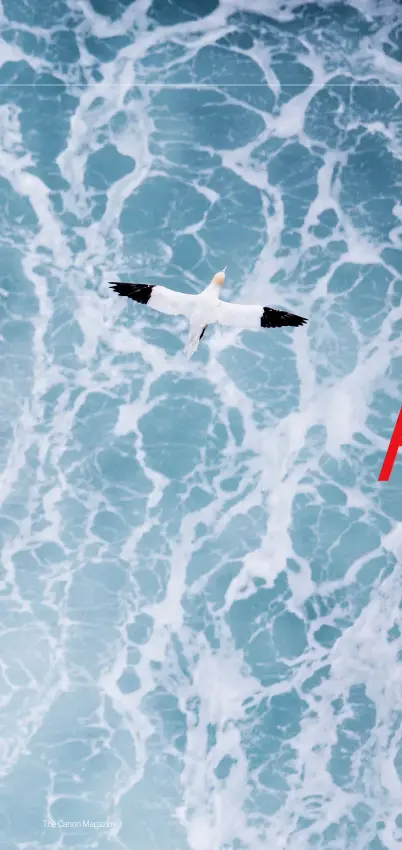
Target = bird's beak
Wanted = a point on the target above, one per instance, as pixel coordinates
(219, 277)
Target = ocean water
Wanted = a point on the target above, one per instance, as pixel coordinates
(200, 598)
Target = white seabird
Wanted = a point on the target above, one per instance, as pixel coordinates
(206, 308)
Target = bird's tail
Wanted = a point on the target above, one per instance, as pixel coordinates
(191, 345)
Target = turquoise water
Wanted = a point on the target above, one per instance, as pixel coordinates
(200, 604)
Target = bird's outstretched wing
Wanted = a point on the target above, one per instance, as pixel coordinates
(160, 298)
(250, 316)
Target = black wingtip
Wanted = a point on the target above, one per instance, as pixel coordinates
(280, 319)
(297, 321)
(120, 288)
(139, 292)
(290, 320)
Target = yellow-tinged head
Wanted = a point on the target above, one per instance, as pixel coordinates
(219, 277)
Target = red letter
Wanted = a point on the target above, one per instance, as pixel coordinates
(392, 451)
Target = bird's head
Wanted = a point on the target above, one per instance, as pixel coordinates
(219, 277)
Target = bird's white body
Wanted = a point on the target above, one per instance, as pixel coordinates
(206, 309)
(205, 312)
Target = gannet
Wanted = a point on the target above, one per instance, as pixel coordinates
(206, 309)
